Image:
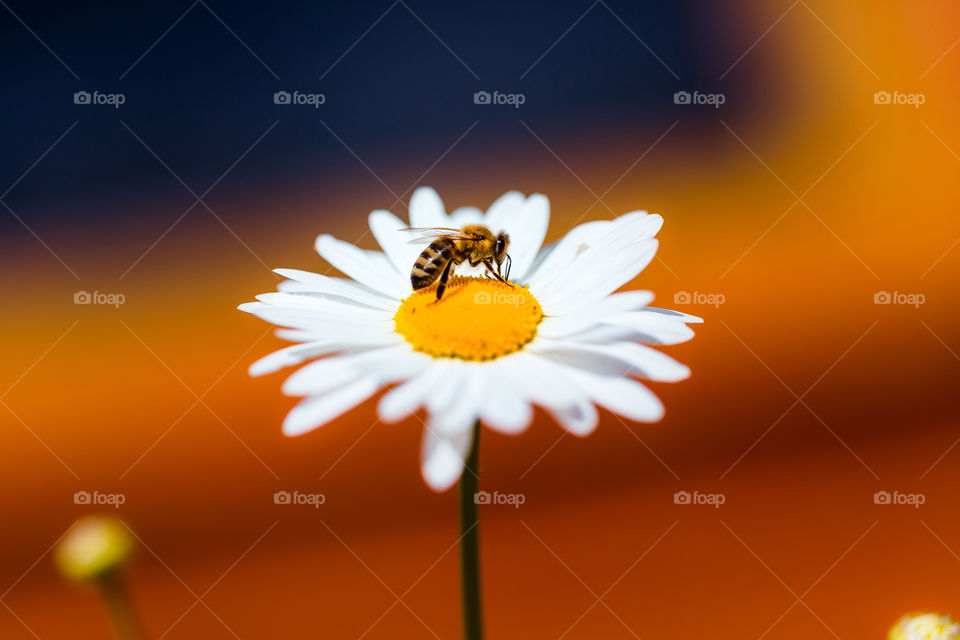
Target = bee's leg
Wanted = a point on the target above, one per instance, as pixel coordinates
(489, 265)
(443, 279)
(509, 266)
(474, 263)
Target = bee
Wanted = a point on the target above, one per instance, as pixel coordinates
(474, 244)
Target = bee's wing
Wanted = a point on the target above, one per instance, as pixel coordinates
(431, 233)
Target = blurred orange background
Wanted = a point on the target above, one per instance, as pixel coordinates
(806, 396)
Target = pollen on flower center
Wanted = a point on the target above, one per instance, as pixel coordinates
(476, 319)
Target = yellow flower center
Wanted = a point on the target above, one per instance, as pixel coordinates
(476, 319)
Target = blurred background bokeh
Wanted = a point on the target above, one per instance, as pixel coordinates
(789, 209)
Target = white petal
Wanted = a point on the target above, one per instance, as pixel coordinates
(386, 228)
(442, 458)
(335, 287)
(621, 358)
(686, 317)
(649, 328)
(462, 408)
(403, 400)
(505, 207)
(623, 396)
(298, 353)
(527, 229)
(601, 266)
(544, 382)
(344, 335)
(558, 326)
(385, 364)
(297, 335)
(609, 333)
(426, 209)
(316, 411)
(507, 411)
(605, 278)
(580, 418)
(324, 306)
(369, 268)
(464, 216)
(446, 386)
(323, 323)
(598, 272)
(555, 257)
(376, 301)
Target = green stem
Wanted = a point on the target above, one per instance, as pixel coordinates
(470, 543)
(116, 597)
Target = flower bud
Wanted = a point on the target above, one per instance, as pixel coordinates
(94, 546)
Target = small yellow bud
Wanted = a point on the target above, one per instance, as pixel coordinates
(94, 546)
(925, 626)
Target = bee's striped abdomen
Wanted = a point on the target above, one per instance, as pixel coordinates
(431, 262)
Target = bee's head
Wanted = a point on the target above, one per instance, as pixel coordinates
(500, 246)
(500, 251)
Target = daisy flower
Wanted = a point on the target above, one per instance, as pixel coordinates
(556, 336)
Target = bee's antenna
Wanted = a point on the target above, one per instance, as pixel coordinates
(509, 264)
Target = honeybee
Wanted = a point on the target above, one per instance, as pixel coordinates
(474, 244)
